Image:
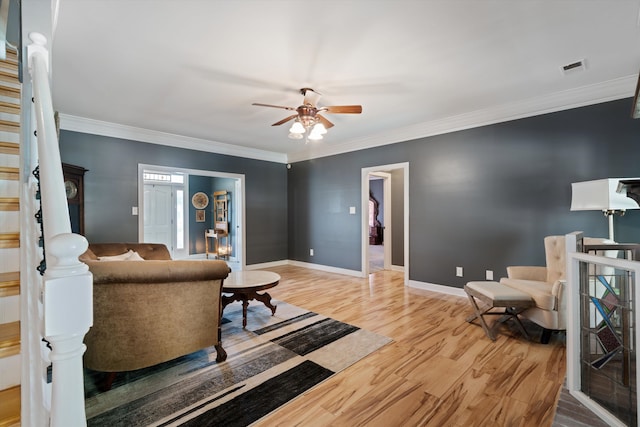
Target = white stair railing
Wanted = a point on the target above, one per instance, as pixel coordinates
(586, 308)
(67, 292)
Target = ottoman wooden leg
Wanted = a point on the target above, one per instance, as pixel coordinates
(478, 315)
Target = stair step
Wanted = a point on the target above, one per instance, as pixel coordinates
(9, 126)
(9, 147)
(9, 284)
(9, 204)
(8, 107)
(12, 92)
(9, 339)
(9, 240)
(12, 56)
(10, 407)
(9, 76)
(9, 65)
(9, 173)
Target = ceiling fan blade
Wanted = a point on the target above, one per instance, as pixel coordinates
(285, 120)
(343, 109)
(326, 123)
(273, 106)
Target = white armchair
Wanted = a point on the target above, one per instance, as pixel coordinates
(546, 285)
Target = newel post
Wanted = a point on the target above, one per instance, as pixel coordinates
(68, 315)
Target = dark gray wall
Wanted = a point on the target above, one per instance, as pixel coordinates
(482, 199)
(320, 194)
(111, 189)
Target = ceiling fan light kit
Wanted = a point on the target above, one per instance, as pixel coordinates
(307, 120)
(297, 128)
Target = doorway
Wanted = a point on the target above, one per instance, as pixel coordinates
(380, 221)
(157, 209)
(395, 208)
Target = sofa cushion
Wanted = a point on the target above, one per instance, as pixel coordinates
(541, 292)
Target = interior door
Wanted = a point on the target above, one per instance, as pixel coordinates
(157, 214)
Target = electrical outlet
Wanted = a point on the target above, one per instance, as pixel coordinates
(459, 271)
(311, 252)
(489, 274)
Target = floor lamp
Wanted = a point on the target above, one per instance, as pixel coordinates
(607, 195)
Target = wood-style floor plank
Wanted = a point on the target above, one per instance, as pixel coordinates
(439, 370)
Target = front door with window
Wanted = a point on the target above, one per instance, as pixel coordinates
(163, 205)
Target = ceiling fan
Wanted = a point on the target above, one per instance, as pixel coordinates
(308, 118)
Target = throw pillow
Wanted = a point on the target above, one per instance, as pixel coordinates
(122, 257)
(135, 256)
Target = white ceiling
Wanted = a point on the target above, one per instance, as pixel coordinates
(185, 72)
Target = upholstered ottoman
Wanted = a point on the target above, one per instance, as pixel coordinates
(495, 295)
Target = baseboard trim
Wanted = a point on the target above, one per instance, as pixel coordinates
(399, 268)
(442, 289)
(326, 268)
(266, 265)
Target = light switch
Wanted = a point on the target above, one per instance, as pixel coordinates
(352, 210)
(134, 210)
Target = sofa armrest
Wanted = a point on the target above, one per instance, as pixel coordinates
(157, 271)
(527, 273)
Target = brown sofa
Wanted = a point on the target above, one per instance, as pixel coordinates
(151, 311)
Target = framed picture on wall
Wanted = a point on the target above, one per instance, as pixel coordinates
(200, 215)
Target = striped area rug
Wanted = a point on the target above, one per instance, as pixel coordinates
(270, 363)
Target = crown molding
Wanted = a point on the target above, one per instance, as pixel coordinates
(611, 90)
(114, 130)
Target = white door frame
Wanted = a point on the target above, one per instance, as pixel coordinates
(364, 210)
(238, 200)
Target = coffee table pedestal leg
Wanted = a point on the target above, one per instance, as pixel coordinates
(245, 298)
(266, 300)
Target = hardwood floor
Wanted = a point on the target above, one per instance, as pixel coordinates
(439, 371)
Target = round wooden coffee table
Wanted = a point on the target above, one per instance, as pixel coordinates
(245, 285)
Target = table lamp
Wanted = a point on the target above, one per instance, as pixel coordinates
(608, 195)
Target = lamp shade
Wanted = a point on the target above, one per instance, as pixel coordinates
(600, 195)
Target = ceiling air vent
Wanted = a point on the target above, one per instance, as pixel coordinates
(573, 67)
